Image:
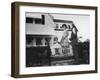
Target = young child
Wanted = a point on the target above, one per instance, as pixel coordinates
(56, 48)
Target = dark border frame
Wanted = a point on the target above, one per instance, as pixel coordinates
(15, 38)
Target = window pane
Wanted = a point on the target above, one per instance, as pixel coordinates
(38, 21)
(29, 20)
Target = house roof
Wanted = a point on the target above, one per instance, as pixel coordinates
(55, 20)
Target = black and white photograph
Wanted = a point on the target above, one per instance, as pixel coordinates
(52, 39)
(57, 39)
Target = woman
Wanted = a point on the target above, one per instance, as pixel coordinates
(65, 42)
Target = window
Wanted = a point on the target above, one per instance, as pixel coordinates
(57, 26)
(48, 39)
(38, 21)
(38, 41)
(28, 40)
(29, 20)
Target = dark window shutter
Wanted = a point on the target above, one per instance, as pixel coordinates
(43, 19)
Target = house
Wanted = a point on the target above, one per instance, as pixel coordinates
(43, 29)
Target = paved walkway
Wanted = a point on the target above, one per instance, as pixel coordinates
(62, 62)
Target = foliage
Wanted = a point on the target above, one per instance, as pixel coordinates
(83, 51)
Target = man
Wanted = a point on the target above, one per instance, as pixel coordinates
(74, 43)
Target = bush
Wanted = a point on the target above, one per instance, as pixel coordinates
(83, 51)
